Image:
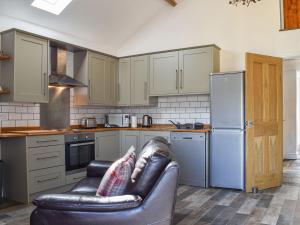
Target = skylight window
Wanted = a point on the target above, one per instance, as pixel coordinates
(52, 6)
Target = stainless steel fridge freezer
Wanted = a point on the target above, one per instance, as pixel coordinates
(227, 149)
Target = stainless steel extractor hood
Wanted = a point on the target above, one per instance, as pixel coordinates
(58, 76)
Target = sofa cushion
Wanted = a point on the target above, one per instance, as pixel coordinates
(87, 186)
(153, 159)
(118, 175)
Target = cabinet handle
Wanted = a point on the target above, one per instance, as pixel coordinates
(45, 180)
(181, 78)
(53, 140)
(77, 178)
(177, 80)
(119, 90)
(45, 83)
(90, 89)
(145, 90)
(50, 157)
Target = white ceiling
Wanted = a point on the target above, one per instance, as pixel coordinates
(105, 22)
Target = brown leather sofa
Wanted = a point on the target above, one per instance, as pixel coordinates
(150, 199)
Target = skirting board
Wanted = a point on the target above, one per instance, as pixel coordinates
(290, 156)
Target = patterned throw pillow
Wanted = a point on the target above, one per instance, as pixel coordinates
(118, 175)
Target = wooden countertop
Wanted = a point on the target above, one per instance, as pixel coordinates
(23, 132)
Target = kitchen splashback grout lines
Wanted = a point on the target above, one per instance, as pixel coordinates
(184, 109)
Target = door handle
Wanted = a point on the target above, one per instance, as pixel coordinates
(90, 89)
(119, 90)
(44, 158)
(45, 180)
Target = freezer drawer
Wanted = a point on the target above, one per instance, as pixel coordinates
(227, 159)
(191, 154)
(227, 100)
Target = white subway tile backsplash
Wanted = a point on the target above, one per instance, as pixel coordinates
(183, 109)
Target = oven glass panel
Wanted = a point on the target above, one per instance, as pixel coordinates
(79, 155)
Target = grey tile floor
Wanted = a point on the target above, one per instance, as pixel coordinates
(196, 206)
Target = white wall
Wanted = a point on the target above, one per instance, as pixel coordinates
(235, 29)
(290, 108)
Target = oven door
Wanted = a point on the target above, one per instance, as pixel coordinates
(79, 155)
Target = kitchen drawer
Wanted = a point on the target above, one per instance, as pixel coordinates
(45, 179)
(76, 177)
(47, 140)
(45, 157)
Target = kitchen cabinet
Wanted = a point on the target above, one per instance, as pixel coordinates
(25, 75)
(99, 73)
(139, 80)
(185, 71)
(36, 164)
(124, 82)
(164, 73)
(146, 136)
(107, 146)
(130, 138)
(134, 82)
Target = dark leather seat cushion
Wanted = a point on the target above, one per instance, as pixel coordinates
(153, 159)
(87, 186)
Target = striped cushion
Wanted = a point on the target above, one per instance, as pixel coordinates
(118, 175)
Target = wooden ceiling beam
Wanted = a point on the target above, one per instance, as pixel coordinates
(172, 2)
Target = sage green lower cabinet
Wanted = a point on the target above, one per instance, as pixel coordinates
(35, 164)
(25, 75)
(107, 145)
(130, 138)
(146, 136)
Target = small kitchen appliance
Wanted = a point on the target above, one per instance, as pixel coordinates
(88, 122)
(147, 121)
(133, 121)
(117, 120)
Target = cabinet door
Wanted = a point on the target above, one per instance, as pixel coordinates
(164, 74)
(130, 138)
(107, 146)
(97, 78)
(148, 135)
(124, 82)
(139, 80)
(111, 81)
(31, 69)
(195, 66)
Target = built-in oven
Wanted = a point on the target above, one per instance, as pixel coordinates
(80, 151)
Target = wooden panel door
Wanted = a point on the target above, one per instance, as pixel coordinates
(31, 69)
(291, 17)
(164, 74)
(264, 148)
(139, 80)
(124, 82)
(97, 79)
(195, 66)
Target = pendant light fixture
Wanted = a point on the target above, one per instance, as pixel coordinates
(243, 2)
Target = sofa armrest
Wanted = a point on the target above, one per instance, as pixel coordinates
(98, 168)
(84, 203)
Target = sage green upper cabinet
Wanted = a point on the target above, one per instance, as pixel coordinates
(183, 72)
(26, 74)
(97, 73)
(139, 80)
(111, 81)
(195, 65)
(124, 82)
(164, 74)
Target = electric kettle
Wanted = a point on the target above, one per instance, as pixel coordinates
(147, 121)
